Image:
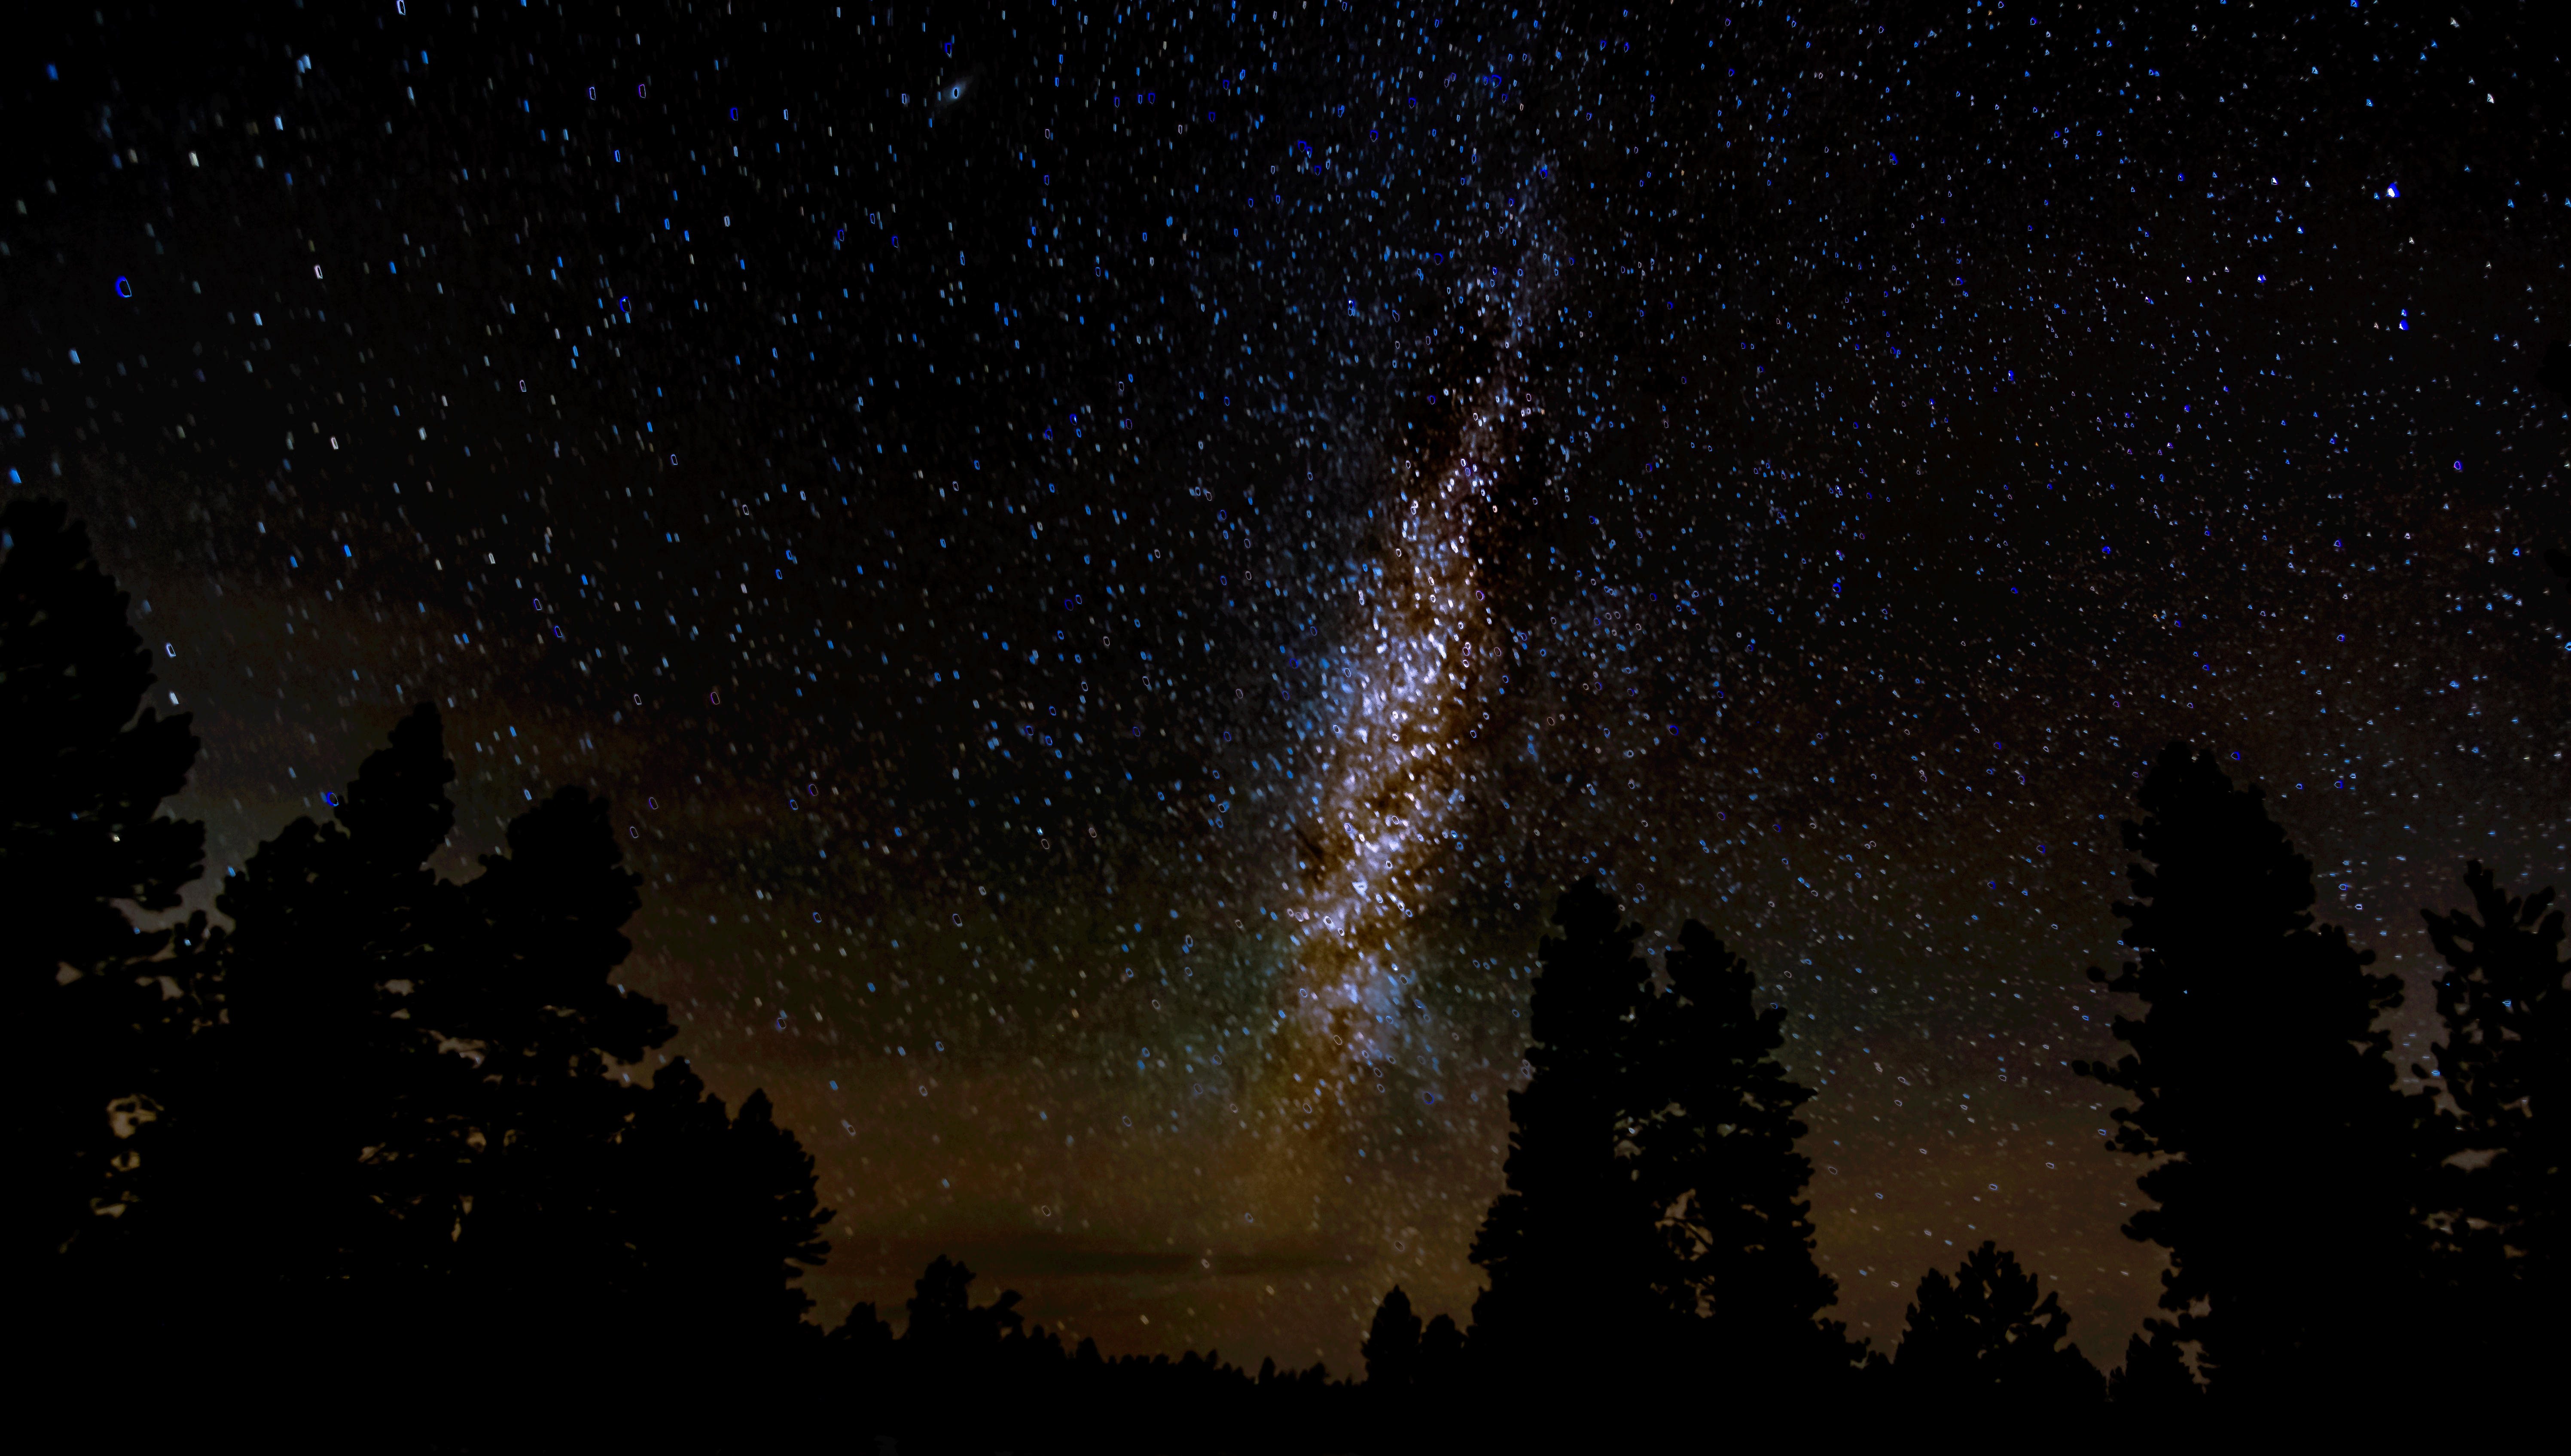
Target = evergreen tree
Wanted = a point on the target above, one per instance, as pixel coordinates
(2260, 1076)
(539, 995)
(944, 1321)
(722, 1213)
(950, 1360)
(1391, 1348)
(373, 1091)
(1714, 1129)
(2155, 1381)
(1397, 1394)
(1566, 1244)
(316, 1143)
(864, 1329)
(1440, 1372)
(81, 831)
(633, 1210)
(2499, 1223)
(861, 1358)
(1983, 1339)
(526, 998)
(405, 1120)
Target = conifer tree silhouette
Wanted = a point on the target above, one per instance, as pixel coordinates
(1393, 1359)
(723, 1212)
(2155, 1381)
(540, 993)
(2259, 1074)
(2508, 1017)
(1413, 1374)
(365, 1064)
(1567, 1245)
(419, 1070)
(527, 994)
(1716, 1132)
(1983, 1339)
(864, 1329)
(944, 1319)
(1391, 1347)
(82, 831)
(952, 1359)
(1441, 1371)
(310, 1094)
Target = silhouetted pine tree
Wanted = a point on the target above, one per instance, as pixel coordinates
(539, 995)
(943, 1316)
(1440, 1372)
(864, 1329)
(723, 1212)
(957, 1395)
(403, 1136)
(1716, 1132)
(2259, 1074)
(316, 1137)
(1567, 1243)
(559, 1150)
(1391, 1349)
(2155, 1381)
(675, 1232)
(1412, 1375)
(2499, 1225)
(1984, 1341)
(81, 831)
(1396, 1394)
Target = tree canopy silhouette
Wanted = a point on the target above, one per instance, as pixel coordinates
(1439, 1372)
(380, 1130)
(316, 1087)
(2498, 1221)
(2263, 1085)
(2155, 1381)
(1651, 1230)
(1983, 1338)
(1715, 1133)
(381, 1111)
(1568, 1243)
(1391, 1345)
(82, 834)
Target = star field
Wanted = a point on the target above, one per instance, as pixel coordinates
(1115, 561)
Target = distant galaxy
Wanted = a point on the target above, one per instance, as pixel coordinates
(1110, 564)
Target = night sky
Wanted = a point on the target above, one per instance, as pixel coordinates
(1139, 550)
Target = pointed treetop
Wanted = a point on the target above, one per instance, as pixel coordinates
(552, 913)
(1589, 979)
(1586, 912)
(1702, 970)
(397, 810)
(64, 629)
(1391, 1345)
(89, 773)
(2218, 869)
